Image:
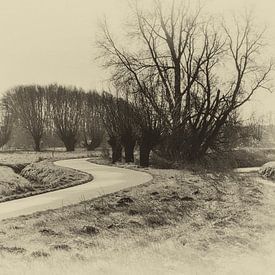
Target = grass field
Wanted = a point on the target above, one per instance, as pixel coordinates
(180, 222)
(183, 222)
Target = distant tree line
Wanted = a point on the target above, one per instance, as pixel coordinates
(74, 115)
(65, 112)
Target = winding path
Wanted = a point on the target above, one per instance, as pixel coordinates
(106, 180)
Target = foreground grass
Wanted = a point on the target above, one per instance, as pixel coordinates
(181, 222)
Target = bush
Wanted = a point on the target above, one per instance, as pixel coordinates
(160, 162)
(105, 152)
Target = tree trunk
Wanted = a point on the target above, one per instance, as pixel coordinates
(129, 151)
(37, 143)
(116, 153)
(93, 143)
(144, 155)
(90, 147)
(116, 149)
(69, 144)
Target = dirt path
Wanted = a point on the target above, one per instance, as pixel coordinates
(106, 180)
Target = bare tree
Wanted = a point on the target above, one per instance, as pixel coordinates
(202, 70)
(29, 106)
(151, 129)
(66, 112)
(109, 117)
(119, 120)
(149, 126)
(6, 124)
(92, 127)
(126, 115)
(252, 130)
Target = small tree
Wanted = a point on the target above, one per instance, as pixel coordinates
(251, 131)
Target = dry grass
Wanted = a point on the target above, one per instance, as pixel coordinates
(222, 162)
(180, 223)
(268, 170)
(46, 175)
(252, 157)
(12, 184)
(26, 157)
(37, 177)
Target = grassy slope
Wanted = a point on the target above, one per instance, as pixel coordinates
(178, 223)
(11, 183)
(37, 177)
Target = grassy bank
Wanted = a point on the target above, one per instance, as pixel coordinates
(12, 184)
(26, 174)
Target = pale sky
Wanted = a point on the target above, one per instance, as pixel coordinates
(45, 41)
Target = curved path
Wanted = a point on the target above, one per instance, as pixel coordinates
(106, 180)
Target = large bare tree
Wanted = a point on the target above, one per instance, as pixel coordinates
(203, 69)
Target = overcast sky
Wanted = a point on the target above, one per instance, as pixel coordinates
(45, 41)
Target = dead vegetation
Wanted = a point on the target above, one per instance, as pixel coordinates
(192, 220)
(45, 175)
(12, 184)
(179, 213)
(268, 170)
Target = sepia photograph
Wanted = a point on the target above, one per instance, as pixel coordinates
(137, 137)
